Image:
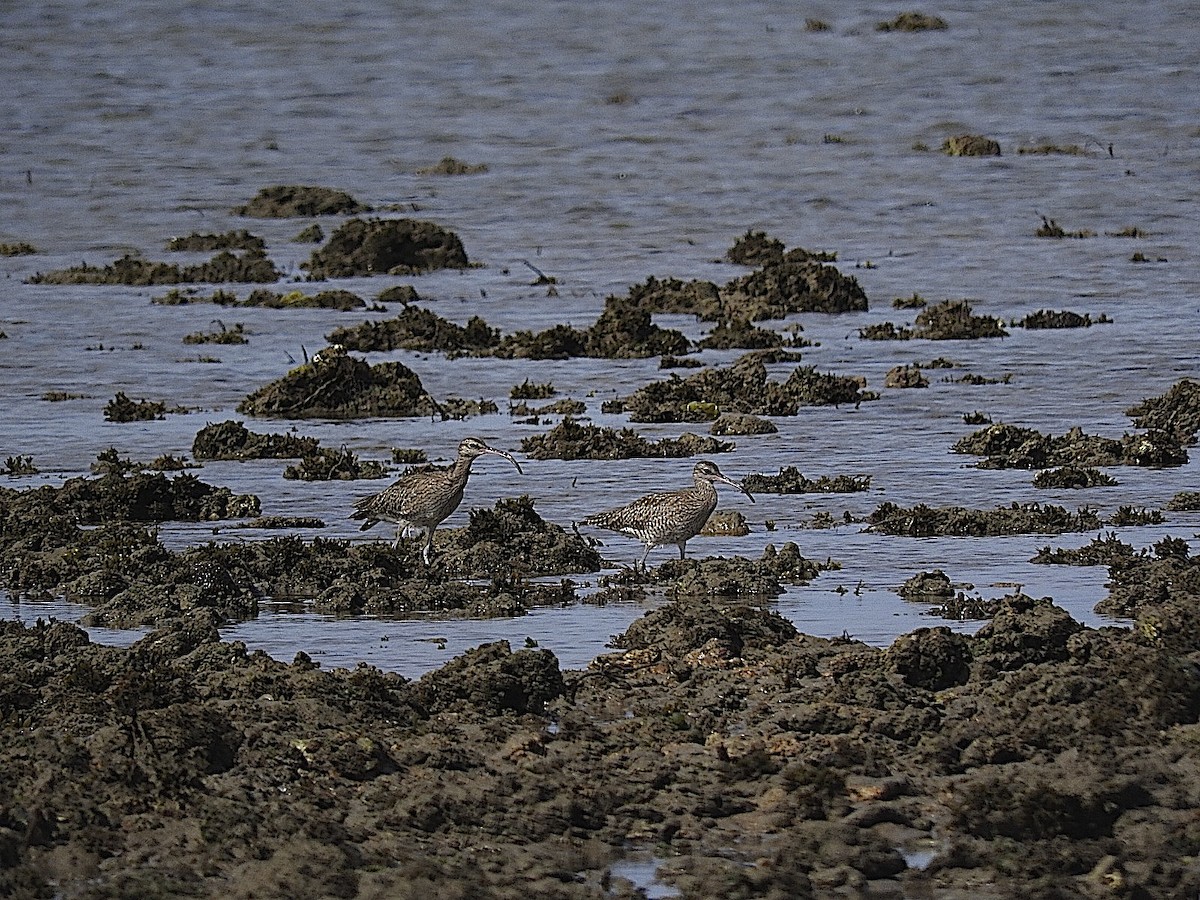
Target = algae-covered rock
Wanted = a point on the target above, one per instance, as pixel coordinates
(905, 377)
(1011, 446)
(791, 481)
(913, 21)
(336, 385)
(386, 246)
(251, 266)
(1176, 412)
(953, 320)
(755, 248)
(1046, 319)
(1019, 518)
(233, 440)
(339, 299)
(121, 409)
(1073, 477)
(927, 587)
(797, 283)
(493, 679)
(970, 145)
(417, 328)
(286, 201)
(740, 334)
(728, 424)
(741, 388)
(207, 243)
(571, 439)
(325, 464)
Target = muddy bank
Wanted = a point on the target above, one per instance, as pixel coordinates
(752, 760)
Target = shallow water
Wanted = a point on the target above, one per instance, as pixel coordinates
(622, 140)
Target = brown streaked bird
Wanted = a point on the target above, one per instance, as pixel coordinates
(671, 517)
(423, 500)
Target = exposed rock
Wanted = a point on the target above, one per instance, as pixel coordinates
(386, 246)
(287, 201)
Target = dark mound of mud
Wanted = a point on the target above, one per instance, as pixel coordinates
(1019, 518)
(742, 388)
(286, 201)
(252, 266)
(574, 440)
(233, 440)
(731, 424)
(1045, 318)
(1176, 412)
(207, 243)
(791, 481)
(335, 385)
(1013, 447)
(418, 329)
(386, 246)
(1073, 477)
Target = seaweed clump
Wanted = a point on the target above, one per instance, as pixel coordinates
(913, 21)
(233, 440)
(416, 328)
(121, 409)
(252, 266)
(1013, 447)
(741, 388)
(970, 145)
(1073, 477)
(286, 201)
(207, 243)
(957, 521)
(1045, 318)
(573, 440)
(336, 385)
(1176, 412)
(386, 246)
(791, 481)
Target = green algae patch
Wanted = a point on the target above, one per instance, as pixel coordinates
(20, 248)
(574, 440)
(386, 246)
(288, 201)
(335, 385)
(251, 266)
(233, 440)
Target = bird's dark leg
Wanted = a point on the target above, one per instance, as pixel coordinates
(682, 544)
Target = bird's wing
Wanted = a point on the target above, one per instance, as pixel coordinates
(637, 512)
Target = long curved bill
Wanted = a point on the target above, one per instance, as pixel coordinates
(507, 456)
(737, 485)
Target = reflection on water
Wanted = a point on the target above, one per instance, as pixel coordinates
(626, 140)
